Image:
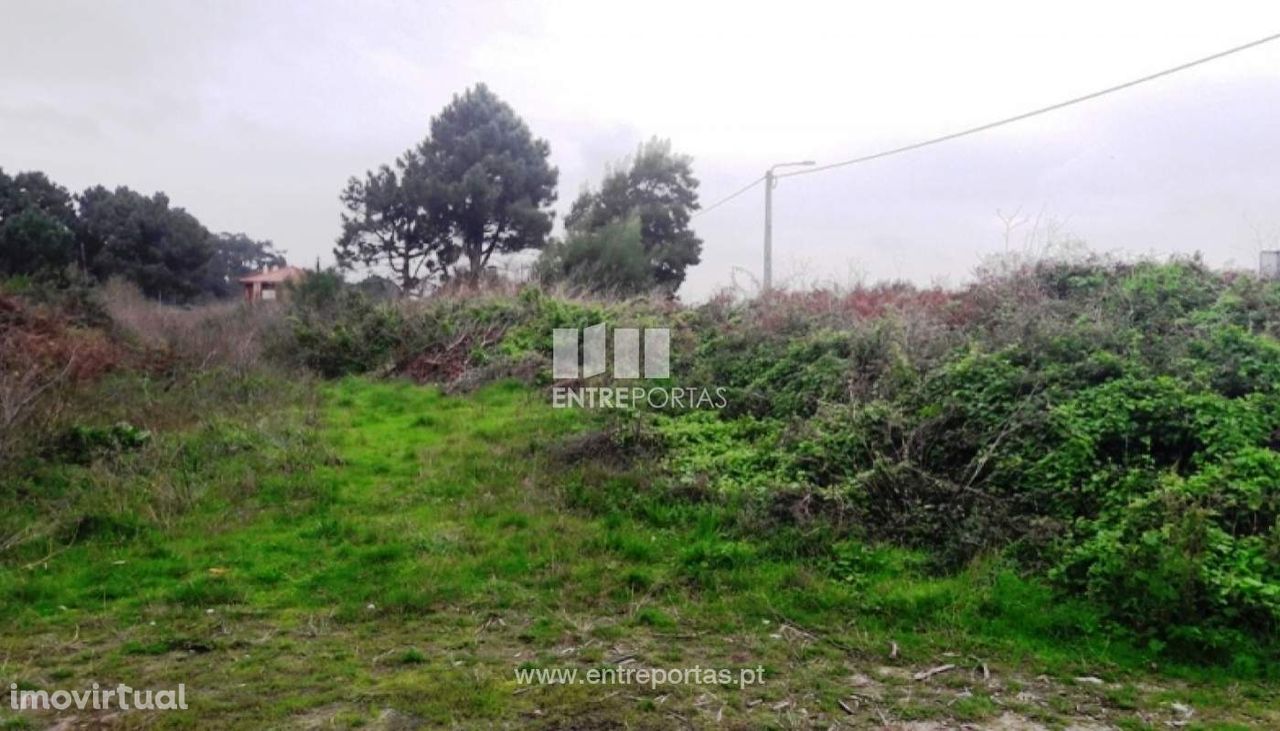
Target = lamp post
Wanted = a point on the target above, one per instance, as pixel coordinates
(769, 182)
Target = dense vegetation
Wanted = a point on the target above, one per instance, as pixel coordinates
(633, 235)
(1065, 469)
(49, 234)
(1109, 427)
(1112, 427)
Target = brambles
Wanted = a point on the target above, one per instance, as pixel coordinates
(118, 414)
(449, 338)
(1110, 430)
(232, 335)
(1109, 426)
(1009, 479)
(1112, 425)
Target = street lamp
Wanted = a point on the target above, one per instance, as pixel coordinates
(769, 182)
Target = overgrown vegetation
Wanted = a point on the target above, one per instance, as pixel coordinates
(1067, 469)
(99, 398)
(1112, 426)
(322, 573)
(1108, 426)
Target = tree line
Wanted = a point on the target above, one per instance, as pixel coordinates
(479, 185)
(49, 233)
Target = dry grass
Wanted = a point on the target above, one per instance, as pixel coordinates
(226, 334)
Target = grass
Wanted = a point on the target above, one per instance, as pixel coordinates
(396, 555)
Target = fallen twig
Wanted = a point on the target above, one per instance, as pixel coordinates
(926, 674)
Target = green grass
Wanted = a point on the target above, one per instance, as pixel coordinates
(415, 549)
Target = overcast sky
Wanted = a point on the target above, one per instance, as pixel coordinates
(253, 114)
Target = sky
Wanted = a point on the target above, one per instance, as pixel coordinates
(252, 115)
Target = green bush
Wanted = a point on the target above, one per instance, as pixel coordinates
(356, 336)
(610, 260)
(442, 338)
(80, 444)
(1111, 426)
(1114, 426)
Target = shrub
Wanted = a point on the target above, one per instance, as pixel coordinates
(358, 336)
(448, 338)
(609, 260)
(80, 444)
(1111, 425)
(1115, 425)
(44, 354)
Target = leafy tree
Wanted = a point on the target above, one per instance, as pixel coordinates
(37, 222)
(165, 251)
(393, 217)
(492, 177)
(610, 259)
(234, 256)
(44, 230)
(317, 292)
(659, 188)
(378, 288)
(479, 184)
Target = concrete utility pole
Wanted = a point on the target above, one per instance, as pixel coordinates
(769, 181)
(768, 232)
(1268, 264)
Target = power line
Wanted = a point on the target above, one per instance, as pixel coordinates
(729, 197)
(1033, 113)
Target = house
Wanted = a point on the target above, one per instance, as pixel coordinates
(268, 284)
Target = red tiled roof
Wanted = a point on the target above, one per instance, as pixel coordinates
(277, 275)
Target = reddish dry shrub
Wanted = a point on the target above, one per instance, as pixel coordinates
(39, 339)
(783, 311)
(41, 354)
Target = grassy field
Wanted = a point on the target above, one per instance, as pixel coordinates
(385, 556)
